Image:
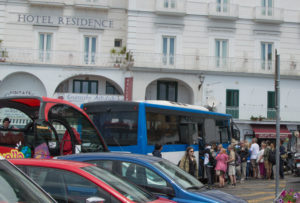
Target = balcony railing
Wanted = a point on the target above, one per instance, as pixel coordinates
(223, 11)
(47, 2)
(271, 113)
(234, 111)
(171, 7)
(33, 56)
(268, 14)
(95, 4)
(211, 63)
(150, 60)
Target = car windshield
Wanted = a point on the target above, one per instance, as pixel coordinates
(127, 189)
(16, 187)
(181, 177)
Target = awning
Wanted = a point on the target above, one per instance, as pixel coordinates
(269, 131)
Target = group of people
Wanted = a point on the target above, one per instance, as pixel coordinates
(240, 161)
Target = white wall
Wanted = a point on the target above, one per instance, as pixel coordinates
(253, 95)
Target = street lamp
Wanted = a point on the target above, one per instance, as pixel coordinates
(201, 80)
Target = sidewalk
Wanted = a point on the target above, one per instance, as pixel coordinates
(258, 190)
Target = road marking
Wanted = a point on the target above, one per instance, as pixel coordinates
(262, 199)
(254, 194)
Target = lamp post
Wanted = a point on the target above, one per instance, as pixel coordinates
(201, 80)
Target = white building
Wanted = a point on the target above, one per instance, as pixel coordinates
(216, 53)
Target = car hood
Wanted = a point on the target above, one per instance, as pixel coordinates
(221, 196)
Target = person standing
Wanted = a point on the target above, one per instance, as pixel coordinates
(231, 165)
(260, 160)
(208, 164)
(221, 166)
(157, 150)
(188, 162)
(268, 165)
(272, 158)
(243, 154)
(254, 152)
(6, 124)
(282, 154)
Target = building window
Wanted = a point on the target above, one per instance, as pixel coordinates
(169, 3)
(167, 91)
(85, 86)
(222, 6)
(267, 7)
(221, 52)
(271, 112)
(168, 50)
(45, 41)
(266, 55)
(110, 89)
(232, 103)
(90, 49)
(118, 43)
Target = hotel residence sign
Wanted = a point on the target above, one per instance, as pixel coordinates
(93, 23)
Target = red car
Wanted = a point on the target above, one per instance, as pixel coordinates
(69, 181)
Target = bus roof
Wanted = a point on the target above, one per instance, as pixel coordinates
(93, 106)
(31, 104)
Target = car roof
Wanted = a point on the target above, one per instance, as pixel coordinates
(51, 163)
(116, 155)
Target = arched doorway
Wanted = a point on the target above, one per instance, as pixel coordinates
(88, 88)
(171, 90)
(22, 83)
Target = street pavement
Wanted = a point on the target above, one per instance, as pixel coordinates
(261, 190)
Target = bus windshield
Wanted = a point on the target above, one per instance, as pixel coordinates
(118, 128)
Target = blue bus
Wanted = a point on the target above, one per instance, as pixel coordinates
(136, 126)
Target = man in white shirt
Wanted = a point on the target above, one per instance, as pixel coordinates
(254, 152)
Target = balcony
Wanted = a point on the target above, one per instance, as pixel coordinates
(211, 63)
(67, 58)
(223, 11)
(47, 2)
(271, 113)
(234, 111)
(150, 60)
(171, 7)
(92, 4)
(268, 15)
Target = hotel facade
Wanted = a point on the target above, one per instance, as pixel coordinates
(215, 53)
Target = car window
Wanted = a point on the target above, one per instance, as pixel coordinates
(15, 187)
(105, 164)
(142, 175)
(66, 186)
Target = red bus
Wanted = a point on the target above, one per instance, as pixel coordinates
(42, 127)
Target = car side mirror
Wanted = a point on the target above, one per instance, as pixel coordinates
(168, 191)
(94, 200)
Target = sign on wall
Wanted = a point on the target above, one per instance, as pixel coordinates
(79, 99)
(128, 89)
(75, 21)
